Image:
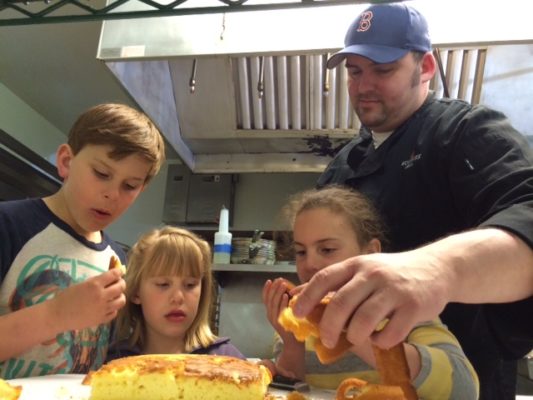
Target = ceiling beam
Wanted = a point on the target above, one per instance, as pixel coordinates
(46, 7)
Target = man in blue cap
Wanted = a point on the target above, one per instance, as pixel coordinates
(454, 182)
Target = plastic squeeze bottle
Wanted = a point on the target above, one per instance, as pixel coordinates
(222, 247)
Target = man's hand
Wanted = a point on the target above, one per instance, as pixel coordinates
(404, 288)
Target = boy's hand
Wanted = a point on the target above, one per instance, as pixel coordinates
(90, 303)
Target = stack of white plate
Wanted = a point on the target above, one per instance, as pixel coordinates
(244, 251)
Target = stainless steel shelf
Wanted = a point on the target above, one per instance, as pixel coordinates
(275, 268)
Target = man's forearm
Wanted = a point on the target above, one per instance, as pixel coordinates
(485, 266)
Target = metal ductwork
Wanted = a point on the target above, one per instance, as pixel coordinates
(248, 92)
(237, 92)
(23, 173)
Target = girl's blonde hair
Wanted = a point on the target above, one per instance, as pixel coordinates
(167, 251)
(359, 211)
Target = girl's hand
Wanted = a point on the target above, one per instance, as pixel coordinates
(291, 361)
(276, 299)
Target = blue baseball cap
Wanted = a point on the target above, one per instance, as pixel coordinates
(385, 33)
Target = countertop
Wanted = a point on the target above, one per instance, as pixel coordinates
(69, 387)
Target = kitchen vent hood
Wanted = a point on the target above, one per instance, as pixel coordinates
(237, 92)
(248, 91)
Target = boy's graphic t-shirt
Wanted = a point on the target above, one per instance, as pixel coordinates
(41, 255)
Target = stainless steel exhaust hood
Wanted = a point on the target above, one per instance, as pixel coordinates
(200, 76)
(248, 91)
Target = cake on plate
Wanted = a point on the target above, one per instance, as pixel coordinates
(8, 391)
(179, 377)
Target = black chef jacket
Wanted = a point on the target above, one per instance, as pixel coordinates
(452, 167)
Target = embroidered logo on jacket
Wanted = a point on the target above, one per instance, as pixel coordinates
(409, 163)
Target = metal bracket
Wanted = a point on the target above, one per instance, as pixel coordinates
(46, 7)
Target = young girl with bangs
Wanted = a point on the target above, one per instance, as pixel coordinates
(331, 225)
(169, 289)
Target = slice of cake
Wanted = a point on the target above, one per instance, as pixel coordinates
(114, 262)
(9, 392)
(179, 377)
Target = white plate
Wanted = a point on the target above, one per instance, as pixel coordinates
(53, 387)
(69, 387)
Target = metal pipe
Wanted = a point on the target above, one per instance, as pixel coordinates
(449, 78)
(269, 95)
(257, 102)
(478, 76)
(296, 111)
(243, 91)
(283, 93)
(436, 52)
(464, 75)
(315, 69)
(344, 103)
(331, 94)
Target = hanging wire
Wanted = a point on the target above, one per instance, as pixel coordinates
(223, 31)
(260, 80)
(326, 72)
(192, 81)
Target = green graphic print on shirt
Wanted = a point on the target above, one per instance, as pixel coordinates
(40, 279)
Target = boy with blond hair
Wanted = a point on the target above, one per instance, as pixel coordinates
(57, 295)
